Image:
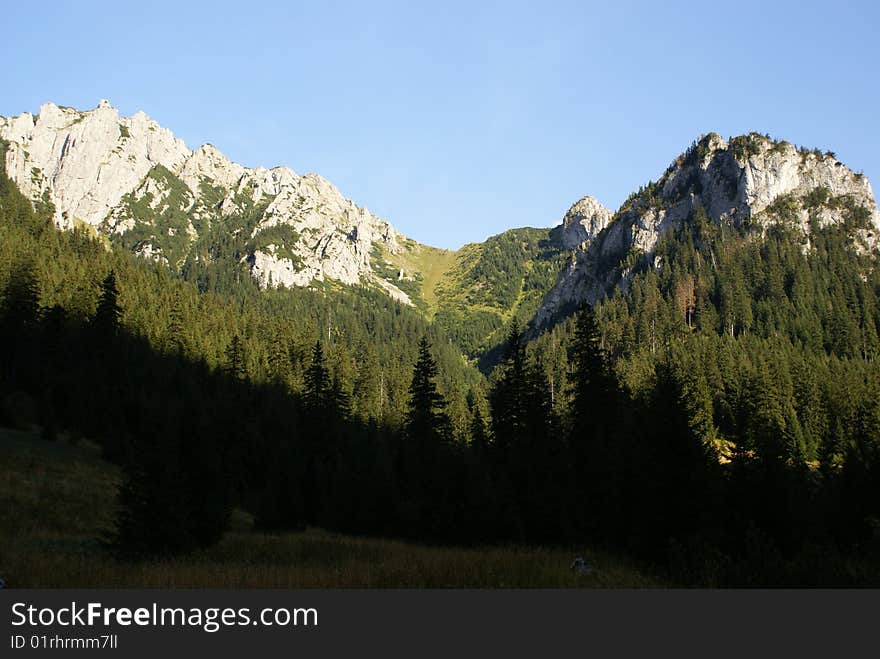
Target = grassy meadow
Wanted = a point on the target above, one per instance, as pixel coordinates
(56, 505)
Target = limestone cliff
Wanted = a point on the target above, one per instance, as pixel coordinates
(749, 183)
(583, 222)
(130, 178)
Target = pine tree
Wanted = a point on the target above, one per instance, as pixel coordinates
(176, 337)
(19, 318)
(317, 382)
(425, 450)
(236, 363)
(20, 308)
(592, 384)
(107, 315)
(509, 394)
(479, 432)
(595, 455)
(279, 362)
(339, 400)
(426, 417)
(527, 456)
(672, 487)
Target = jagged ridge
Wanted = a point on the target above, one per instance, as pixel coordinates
(131, 179)
(750, 183)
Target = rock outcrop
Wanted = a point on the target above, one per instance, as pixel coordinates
(85, 161)
(750, 183)
(583, 222)
(132, 179)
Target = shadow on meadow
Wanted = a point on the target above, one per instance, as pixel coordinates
(57, 504)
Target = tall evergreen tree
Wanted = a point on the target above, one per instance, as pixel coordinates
(236, 364)
(175, 342)
(20, 307)
(425, 450)
(19, 317)
(426, 418)
(317, 382)
(108, 314)
(509, 394)
(593, 437)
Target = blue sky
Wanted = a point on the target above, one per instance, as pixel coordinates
(455, 121)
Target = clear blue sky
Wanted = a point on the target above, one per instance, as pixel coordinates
(455, 121)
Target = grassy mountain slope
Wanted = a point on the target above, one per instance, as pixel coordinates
(415, 269)
(494, 282)
(473, 293)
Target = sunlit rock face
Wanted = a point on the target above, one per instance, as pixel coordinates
(86, 161)
(583, 222)
(123, 174)
(752, 182)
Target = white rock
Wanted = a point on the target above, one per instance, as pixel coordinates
(87, 162)
(731, 188)
(583, 222)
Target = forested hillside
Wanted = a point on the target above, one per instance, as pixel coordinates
(717, 414)
(493, 283)
(763, 353)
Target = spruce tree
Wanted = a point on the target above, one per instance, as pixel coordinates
(592, 383)
(236, 365)
(424, 452)
(426, 417)
(526, 461)
(317, 382)
(20, 307)
(107, 315)
(595, 454)
(176, 335)
(279, 362)
(19, 318)
(509, 395)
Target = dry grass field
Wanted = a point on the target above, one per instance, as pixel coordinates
(56, 506)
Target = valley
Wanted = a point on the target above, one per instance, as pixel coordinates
(214, 358)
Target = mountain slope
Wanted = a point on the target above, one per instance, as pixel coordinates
(718, 408)
(491, 283)
(215, 221)
(750, 184)
(129, 178)
(210, 219)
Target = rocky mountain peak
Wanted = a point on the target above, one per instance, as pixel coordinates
(132, 179)
(207, 164)
(85, 161)
(749, 181)
(583, 222)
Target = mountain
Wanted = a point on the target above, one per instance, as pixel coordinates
(749, 184)
(715, 411)
(130, 180)
(133, 181)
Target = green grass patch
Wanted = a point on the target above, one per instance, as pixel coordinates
(423, 268)
(493, 282)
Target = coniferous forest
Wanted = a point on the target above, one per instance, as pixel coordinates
(719, 419)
